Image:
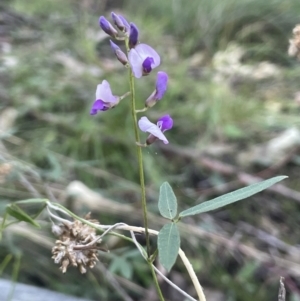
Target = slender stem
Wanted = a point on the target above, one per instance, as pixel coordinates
(161, 297)
(173, 285)
(142, 251)
(140, 160)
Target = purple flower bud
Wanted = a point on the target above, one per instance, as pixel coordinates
(161, 88)
(126, 24)
(107, 27)
(118, 21)
(121, 56)
(133, 35)
(105, 100)
(143, 59)
(156, 131)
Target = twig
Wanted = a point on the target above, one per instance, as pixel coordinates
(62, 220)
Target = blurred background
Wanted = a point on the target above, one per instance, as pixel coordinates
(234, 95)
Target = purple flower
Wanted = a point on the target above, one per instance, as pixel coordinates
(121, 56)
(105, 100)
(133, 35)
(156, 130)
(161, 88)
(107, 27)
(143, 59)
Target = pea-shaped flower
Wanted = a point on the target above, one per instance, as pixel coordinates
(105, 100)
(156, 130)
(143, 59)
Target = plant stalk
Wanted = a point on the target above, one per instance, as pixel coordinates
(140, 161)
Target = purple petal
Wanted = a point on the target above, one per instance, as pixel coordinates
(137, 57)
(147, 64)
(107, 27)
(136, 62)
(133, 35)
(161, 84)
(165, 123)
(104, 92)
(146, 126)
(146, 51)
(98, 105)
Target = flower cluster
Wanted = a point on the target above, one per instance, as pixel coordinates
(76, 245)
(142, 59)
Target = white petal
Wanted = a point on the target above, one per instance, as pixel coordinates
(104, 93)
(146, 126)
(136, 62)
(145, 51)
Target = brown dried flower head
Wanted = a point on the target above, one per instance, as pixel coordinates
(76, 245)
(294, 48)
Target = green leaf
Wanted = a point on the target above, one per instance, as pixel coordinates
(168, 242)
(231, 197)
(20, 215)
(32, 201)
(167, 203)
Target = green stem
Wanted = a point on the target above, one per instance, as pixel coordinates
(161, 297)
(140, 160)
(142, 179)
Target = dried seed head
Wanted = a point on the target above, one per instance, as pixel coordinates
(76, 245)
(294, 48)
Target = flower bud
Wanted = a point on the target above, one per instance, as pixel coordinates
(133, 35)
(118, 21)
(126, 24)
(107, 27)
(121, 56)
(160, 90)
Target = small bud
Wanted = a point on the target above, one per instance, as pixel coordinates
(118, 21)
(133, 35)
(121, 56)
(126, 24)
(161, 88)
(107, 27)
